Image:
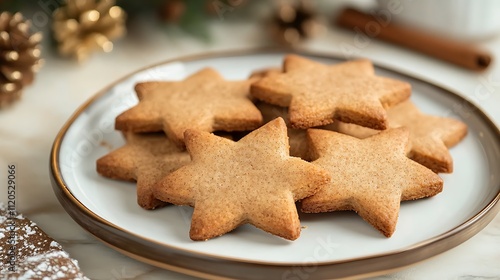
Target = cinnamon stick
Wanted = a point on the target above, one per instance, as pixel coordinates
(458, 53)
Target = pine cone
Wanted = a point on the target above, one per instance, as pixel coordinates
(82, 26)
(294, 23)
(19, 56)
(172, 10)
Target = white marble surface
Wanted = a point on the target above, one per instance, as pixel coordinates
(27, 131)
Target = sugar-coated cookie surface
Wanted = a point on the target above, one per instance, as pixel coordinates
(370, 176)
(145, 158)
(251, 181)
(316, 94)
(29, 253)
(203, 101)
(430, 136)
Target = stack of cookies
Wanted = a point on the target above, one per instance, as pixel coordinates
(334, 137)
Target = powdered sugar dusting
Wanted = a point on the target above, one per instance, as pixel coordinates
(35, 254)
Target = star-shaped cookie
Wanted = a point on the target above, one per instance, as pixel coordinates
(370, 176)
(430, 136)
(145, 158)
(203, 101)
(251, 181)
(316, 94)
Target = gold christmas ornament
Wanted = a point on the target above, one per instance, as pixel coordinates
(19, 56)
(82, 26)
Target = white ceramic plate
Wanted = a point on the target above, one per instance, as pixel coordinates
(330, 245)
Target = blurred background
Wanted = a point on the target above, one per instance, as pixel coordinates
(79, 35)
(87, 35)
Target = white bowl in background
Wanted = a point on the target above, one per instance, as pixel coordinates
(459, 19)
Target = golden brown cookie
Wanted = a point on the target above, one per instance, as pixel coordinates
(430, 136)
(297, 137)
(145, 158)
(203, 101)
(29, 253)
(251, 181)
(370, 176)
(316, 94)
